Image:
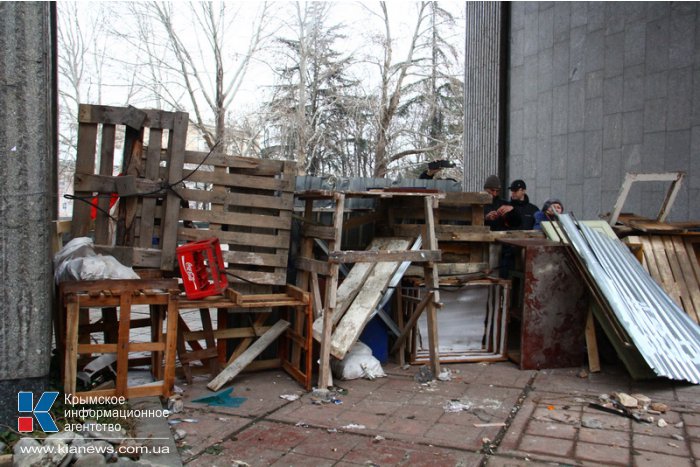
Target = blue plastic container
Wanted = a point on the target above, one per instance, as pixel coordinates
(375, 336)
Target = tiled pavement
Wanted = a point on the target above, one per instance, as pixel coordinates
(514, 418)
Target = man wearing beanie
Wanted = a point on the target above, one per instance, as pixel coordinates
(521, 203)
(547, 213)
(499, 215)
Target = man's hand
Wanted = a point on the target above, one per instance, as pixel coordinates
(492, 216)
(503, 210)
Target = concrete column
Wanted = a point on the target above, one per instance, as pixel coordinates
(484, 97)
(27, 197)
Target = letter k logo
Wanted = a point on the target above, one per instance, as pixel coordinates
(25, 403)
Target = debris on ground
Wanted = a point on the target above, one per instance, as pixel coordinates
(455, 406)
(424, 375)
(445, 375)
(289, 397)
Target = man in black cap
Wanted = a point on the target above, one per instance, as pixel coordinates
(499, 215)
(434, 168)
(521, 203)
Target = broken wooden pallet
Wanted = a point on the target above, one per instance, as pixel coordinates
(671, 261)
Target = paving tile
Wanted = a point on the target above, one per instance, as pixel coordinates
(600, 453)
(607, 437)
(546, 445)
(659, 445)
(300, 460)
(370, 421)
(518, 426)
(233, 451)
(209, 429)
(381, 453)
(457, 436)
(551, 429)
(378, 407)
(403, 426)
(502, 461)
(328, 445)
(418, 412)
(656, 459)
(277, 436)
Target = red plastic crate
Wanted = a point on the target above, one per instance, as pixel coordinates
(202, 268)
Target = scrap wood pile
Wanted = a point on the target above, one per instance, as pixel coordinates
(139, 194)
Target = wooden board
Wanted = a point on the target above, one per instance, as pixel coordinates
(351, 285)
(248, 356)
(672, 262)
(353, 322)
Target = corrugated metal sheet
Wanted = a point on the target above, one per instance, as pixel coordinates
(483, 75)
(666, 337)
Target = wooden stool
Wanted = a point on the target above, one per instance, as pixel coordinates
(160, 295)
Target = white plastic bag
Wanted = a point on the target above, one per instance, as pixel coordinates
(358, 363)
(77, 260)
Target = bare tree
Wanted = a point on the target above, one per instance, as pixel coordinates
(313, 96)
(197, 70)
(392, 81)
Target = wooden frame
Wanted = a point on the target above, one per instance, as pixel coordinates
(160, 295)
(493, 346)
(676, 178)
(310, 268)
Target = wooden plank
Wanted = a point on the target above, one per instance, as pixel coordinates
(272, 201)
(316, 294)
(323, 232)
(592, 345)
(325, 379)
(248, 356)
(377, 256)
(351, 286)
(313, 265)
(677, 277)
(260, 166)
(410, 324)
(176, 150)
(689, 282)
(432, 283)
(106, 168)
(278, 240)
(353, 321)
(239, 180)
(155, 141)
(70, 364)
(84, 164)
(283, 221)
(123, 343)
(278, 260)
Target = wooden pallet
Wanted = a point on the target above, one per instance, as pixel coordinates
(143, 231)
(672, 261)
(247, 203)
(161, 295)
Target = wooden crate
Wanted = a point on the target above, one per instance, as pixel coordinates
(143, 231)
(160, 295)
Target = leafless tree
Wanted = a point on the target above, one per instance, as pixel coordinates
(191, 64)
(392, 81)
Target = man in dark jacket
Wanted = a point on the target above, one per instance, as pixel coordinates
(499, 215)
(521, 203)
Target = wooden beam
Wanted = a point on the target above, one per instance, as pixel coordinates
(375, 256)
(248, 356)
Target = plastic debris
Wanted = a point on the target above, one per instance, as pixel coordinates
(289, 397)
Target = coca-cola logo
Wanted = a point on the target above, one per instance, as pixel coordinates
(190, 273)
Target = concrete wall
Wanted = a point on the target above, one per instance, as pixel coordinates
(598, 89)
(27, 192)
